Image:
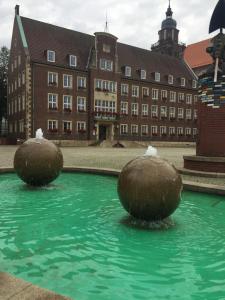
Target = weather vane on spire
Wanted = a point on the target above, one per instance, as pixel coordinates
(169, 3)
(106, 23)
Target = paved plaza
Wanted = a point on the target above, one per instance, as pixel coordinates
(113, 158)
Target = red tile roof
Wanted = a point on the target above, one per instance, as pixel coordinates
(196, 56)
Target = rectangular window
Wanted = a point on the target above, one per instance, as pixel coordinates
(106, 65)
(67, 127)
(134, 109)
(135, 91)
(67, 81)
(155, 94)
(172, 96)
(182, 81)
(188, 114)
(170, 79)
(52, 79)
(172, 112)
(163, 130)
(195, 131)
(15, 84)
(145, 92)
(23, 77)
(23, 102)
(21, 126)
(180, 131)
(67, 103)
(154, 111)
(106, 48)
(19, 60)
(19, 80)
(53, 101)
(195, 114)
(189, 99)
(143, 74)
(195, 99)
(81, 104)
(52, 125)
(154, 130)
(144, 129)
(134, 129)
(124, 108)
(73, 60)
(188, 131)
(164, 95)
(180, 97)
(144, 110)
(157, 76)
(124, 89)
(128, 71)
(194, 84)
(102, 106)
(51, 56)
(81, 82)
(172, 131)
(180, 113)
(81, 126)
(123, 129)
(163, 112)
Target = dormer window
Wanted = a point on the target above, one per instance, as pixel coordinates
(128, 71)
(170, 79)
(182, 81)
(106, 65)
(194, 84)
(106, 48)
(157, 76)
(51, 56)
(143, 74)
(73, 60)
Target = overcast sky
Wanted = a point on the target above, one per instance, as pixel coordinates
(135, 22)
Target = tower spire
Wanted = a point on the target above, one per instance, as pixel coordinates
(106, 23)
(169, 12)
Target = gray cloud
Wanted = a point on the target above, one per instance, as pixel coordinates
(135, 22)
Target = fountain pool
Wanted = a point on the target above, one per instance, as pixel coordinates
(69, 238)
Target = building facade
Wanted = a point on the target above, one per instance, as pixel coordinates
(82, 87)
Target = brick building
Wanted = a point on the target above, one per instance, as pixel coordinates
(77, 86)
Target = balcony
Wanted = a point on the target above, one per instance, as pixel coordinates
(105, 115)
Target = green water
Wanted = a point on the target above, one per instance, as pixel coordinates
(69, 238)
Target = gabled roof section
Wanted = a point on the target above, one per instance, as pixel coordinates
(196, 56)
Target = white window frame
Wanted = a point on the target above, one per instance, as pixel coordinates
(155, 94)
(189, 99)
(188, 131)
(68, 81)
(52, 125)
(180, 113)
(163, 112)
(144, 130)
(52, 101)
(172, 131)
(134, 129)
(188, 114)
(72, 60)
(124, 108)
(164, 94)
(81, 104)
(134, 109)
(180, 131)
(154, 111)
(170, 79)
(106, 64)
(127, 71)
(144, 110)
(81, 82)
(172, 112)
(194, 84)
(135, 91)
(180, 97)
(145, 91)
(67, 103)
(182, 82)
(195, 131)
(81, 126)
(154, 130)
(124, 89)
(173, 96)
(163, 130)
(123, 129)
(52, 79)
(157, 76)
(68, 128)
(143, 74)
(50, 56)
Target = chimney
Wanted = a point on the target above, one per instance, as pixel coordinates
(17, 9)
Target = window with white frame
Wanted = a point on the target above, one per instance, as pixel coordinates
(154, 130)
(105, 86)
(189, 99)
(188, 131)
(21, 126)
(180, 97)
(67, 81)
(81, 104)
(53, 125)
(51, 56)
(143, 74)
(123, 129)
(195, 131)
(172, 131)
(124, 89)
(135, 91)
(195, 99)
(81, 82)
(67, 103)
(180, 113)
(124, 108)
(145, 92)
(81, 126)
(180, 131)
(134, 109)
(144, 129)
(188, 114)
(163, 130)
(155, 94)
(154, 111)
(163, 111)
(128, 71)
(52, 78)
(182, 81)
(53, 101)
(172, 96)
(172, 112)
(134, 129)
(23, 102)
(194, 84)
(72, 60)
(170, 79)
(144, 109)
(105, 106)
(67, 127)
(157, 76)
(195, 114)
(106, 65)
(164, 95)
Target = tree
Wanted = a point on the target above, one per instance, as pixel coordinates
(4, 60)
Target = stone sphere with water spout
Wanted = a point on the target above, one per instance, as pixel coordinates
(38, 161)
(149, 188)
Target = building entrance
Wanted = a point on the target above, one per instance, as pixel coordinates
(102, 132)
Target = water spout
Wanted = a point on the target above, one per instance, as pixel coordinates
(39, 134)
(151, 151)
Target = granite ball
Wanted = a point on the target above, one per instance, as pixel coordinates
(38, 161)
(149, 188)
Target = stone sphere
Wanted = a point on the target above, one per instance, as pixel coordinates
(38, 161)
(149, 188)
